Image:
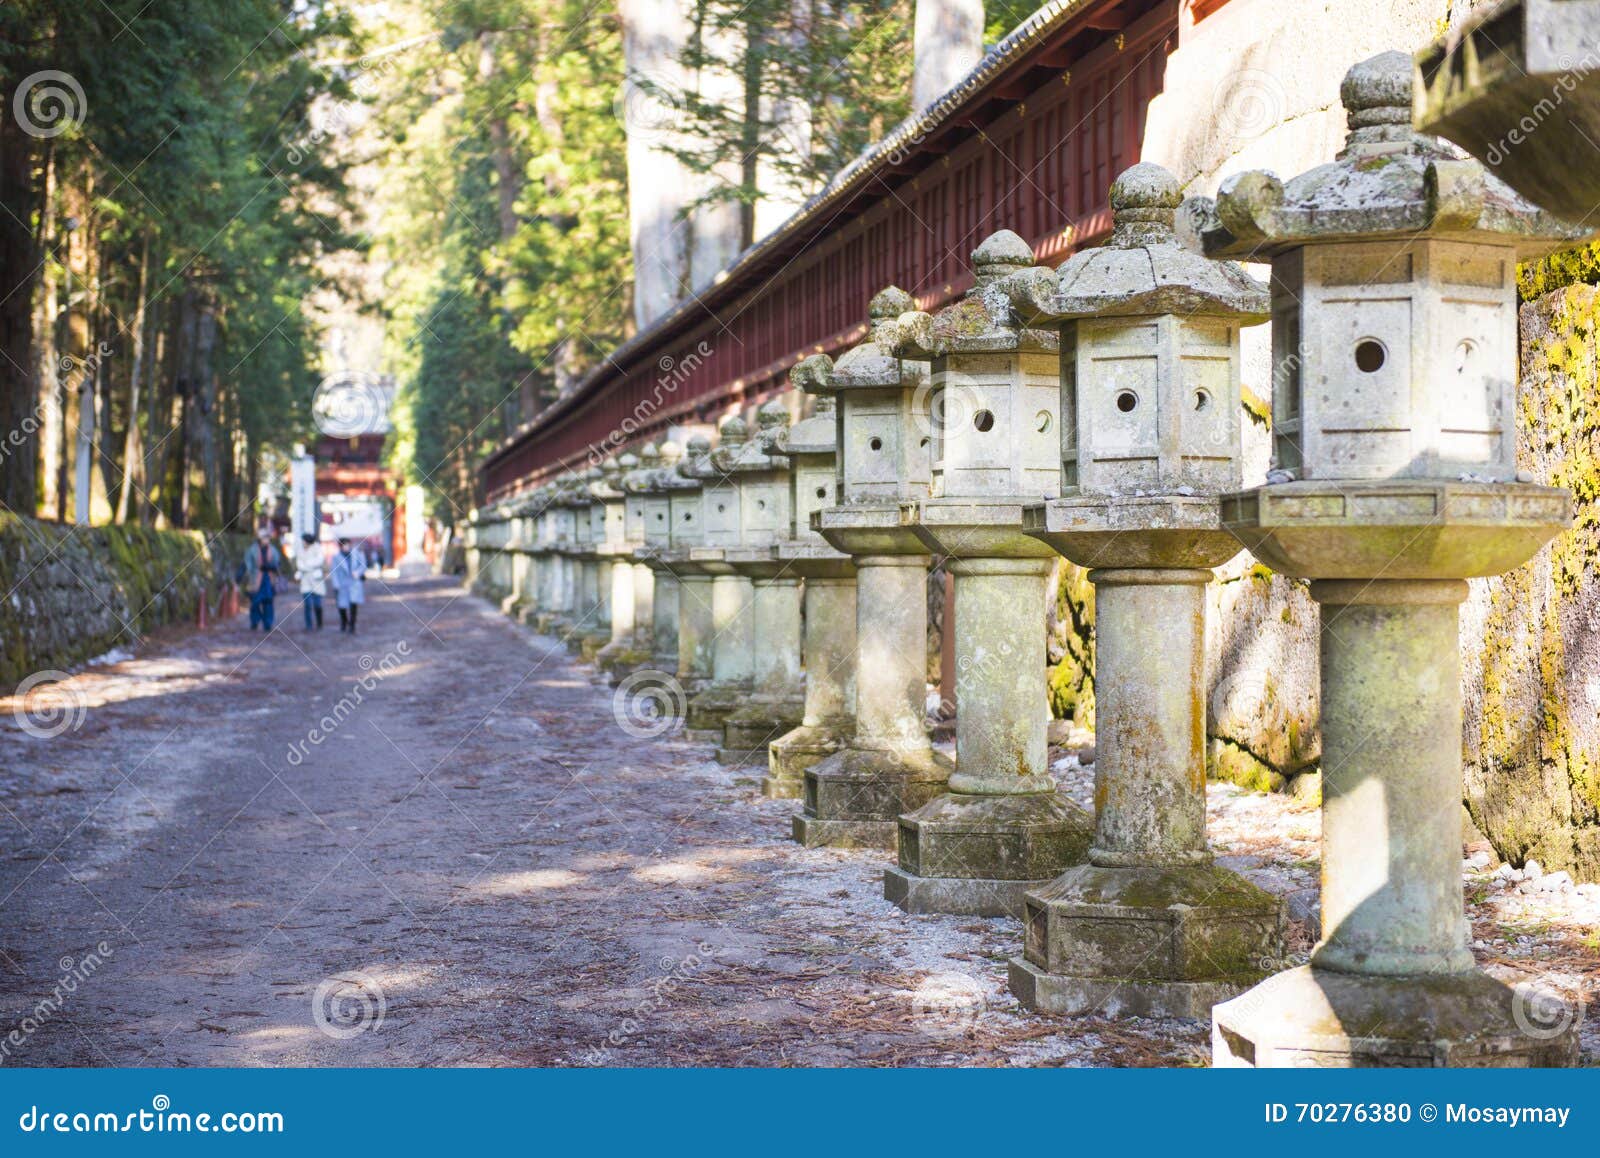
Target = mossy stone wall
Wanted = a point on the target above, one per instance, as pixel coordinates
(71, 593)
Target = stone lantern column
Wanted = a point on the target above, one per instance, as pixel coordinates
(584, 633)
(853, 797)
(732, 637)
(829, 647)
(1393, 274)
(563, 527)
(777, 701)
(657, 543)
(692, 664)
(1002, 828)
(1150, 382)
(617, 550)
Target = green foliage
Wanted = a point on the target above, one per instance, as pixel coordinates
(190, 108)
(783, 95)
(504, 219)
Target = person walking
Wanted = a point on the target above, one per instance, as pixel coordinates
(349, 583)
(313, 576)
(259, 572)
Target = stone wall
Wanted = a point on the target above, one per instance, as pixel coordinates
(1531, 639)
(71, 593)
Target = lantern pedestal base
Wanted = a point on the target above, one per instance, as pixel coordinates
(804, 747)
(1112, 997)
(955, 896)
(970, 854)
(708, 712)
(1147, 941)
(853, 798)
(1310, 1017)
(619, 663)
(749, 730)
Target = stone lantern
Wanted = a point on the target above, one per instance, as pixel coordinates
(633, 649)
(583, 634)
(1515, 85)
(1002, 828)
(516, 559)
(776, 703)
(732, 637)
(829, 646)
(1393, 268)
(490, 532)
(560, 537)
(615, 554)
(657, 491)
(696, 634)
(854, 797)
(1150, 399)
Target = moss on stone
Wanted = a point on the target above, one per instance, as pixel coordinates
(1533, 785)
(1070, 645)
(1227, 760)
(74, 593)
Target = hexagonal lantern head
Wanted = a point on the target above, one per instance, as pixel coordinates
(761, 479)
(884, 432)
(719, 494)
(1394, 298)
(611, 536)
(687, 495)
(635, 482)
(657, 490)
(809, 445)
(1149, 350)
(995, 385)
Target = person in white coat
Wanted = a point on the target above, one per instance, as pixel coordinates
(313, 576)
(349, 583)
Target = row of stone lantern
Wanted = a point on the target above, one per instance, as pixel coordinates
(1094, 411)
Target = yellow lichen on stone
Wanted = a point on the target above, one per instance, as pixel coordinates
(1533, 728)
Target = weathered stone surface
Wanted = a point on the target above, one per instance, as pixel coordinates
(1310, 1017)
(1013, 837)
(1504, 86)
(1532, 652)
(1261, 705)
(74, 593)
(1153, 923)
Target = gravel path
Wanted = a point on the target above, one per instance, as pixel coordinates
(472, 863)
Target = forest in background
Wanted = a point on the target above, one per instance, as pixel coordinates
(193, 190)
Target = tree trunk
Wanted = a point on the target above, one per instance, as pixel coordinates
(715, 227)
(655, 34)
(133, 465)
(52, 423)
(19, 268)
(947, 44)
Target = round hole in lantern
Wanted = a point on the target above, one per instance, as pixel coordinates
(875, 443)
(1202, 399)
(1465, 349)
(1127, 401)
(761, 504)
(1370, 355)
(822, 492)
(983, 420)
(721, 508)
(1042, 422)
